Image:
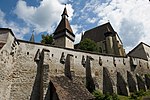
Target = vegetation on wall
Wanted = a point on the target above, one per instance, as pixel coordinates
(88, 45)
(47, 39)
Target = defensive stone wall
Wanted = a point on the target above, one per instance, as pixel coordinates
(23, 78)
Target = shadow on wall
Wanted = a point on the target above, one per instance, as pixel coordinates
(68, 66)
(107, 82)
(133, 63)
(37, 90)
(51, 93)
(122, 87)
(131, 82)
(141, 83)
(147, 80)
(89, 80)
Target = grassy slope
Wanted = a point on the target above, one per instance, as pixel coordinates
(147, 94)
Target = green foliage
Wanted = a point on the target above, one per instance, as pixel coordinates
(47, 39)
(138, 95)
(135, 96)
(147, 75)
(88, 45)
(115, 97)
(121, 97)
(107, 97)
(99, 96)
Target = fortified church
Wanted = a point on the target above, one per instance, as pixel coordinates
(36, 71)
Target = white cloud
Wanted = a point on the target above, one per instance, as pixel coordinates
(63, 1)
(130, 18)
(75, 29)
(132, 32)
(17, 30)
(92, 20)
(77, 38)
(45, 16)
(1, 16)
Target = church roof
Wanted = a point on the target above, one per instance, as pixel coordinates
(142, 50)
(97, 34)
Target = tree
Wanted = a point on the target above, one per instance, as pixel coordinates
(88, 45)
(47, 39)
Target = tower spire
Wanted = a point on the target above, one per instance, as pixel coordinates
(65, 12)
(63, 34)
(64, 23)
(32, 37)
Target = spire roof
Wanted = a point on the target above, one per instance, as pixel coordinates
(65, 12)
(32, 38)
(64, 25)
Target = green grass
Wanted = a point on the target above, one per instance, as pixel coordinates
(148, 93)
(139, 96)
(120, 97)
(134, 96)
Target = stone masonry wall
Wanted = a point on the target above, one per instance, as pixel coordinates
(19, 69)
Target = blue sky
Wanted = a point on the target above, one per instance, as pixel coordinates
(129, 18)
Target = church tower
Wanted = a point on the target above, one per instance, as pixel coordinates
(63, 35)
(109, 41)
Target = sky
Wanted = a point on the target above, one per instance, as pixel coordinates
(129, 18)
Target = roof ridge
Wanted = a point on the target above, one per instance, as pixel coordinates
(108, 23)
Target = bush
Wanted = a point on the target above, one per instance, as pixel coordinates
(107, 97)
(138, 95)
(99, 96)
(115, 97)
